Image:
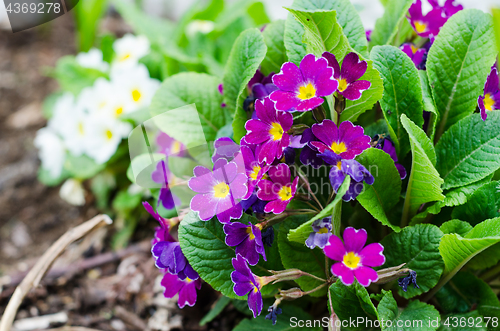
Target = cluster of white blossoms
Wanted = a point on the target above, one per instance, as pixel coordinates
(92, 123)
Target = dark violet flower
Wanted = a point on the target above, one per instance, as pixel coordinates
(269, 131)
(245, 282)
(309, 154)
(352, 69)
(347, 140)
(322, 230)
(168, 255)
(169, 146)
(160, 175)
(254, 202)
(301, 89)
(491, 98)
(387, 146)
(449, 8)
(274, 311)
(417, 55)
(186, 288)
(162, 232)
(220, 192)
(426, 25)
(341, 168)
(354, 260)
(268, 236)
(225, 148)
(247, 239)
(410, 279)
(368, 34)
(255, 170)
(279, 189)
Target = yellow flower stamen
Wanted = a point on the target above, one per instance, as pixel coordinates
(285, 193)
(339, 165)
(351, 260)
(276, 131)
(323, 230)
(420, 26)
(413, 49)
(255, 172)
(124, 57)
(109, 134)
(221, 190)
(338, 148)
(136, 95)
(488, 102)
(306, 92)
(342, 85)
(118, 111)
(80, 128)
(250, 233)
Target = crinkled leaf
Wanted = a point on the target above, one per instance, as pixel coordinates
(456, 226)
(458, 63)
(418, 247)
(424, 183)
(452, 322)
(378, 199)
(276, 53)
(73, 77)
(247, 53)
(387, 26)
(429, 104)
(482, 205)
(295, 48)
(469, 150)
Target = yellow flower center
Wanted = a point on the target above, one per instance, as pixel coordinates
(80, 128)
(413, 49)
(420, 26)
(221, 190)
(338, 148)
(188, 280)
(109, 134)
(351, 260)
(124, 57)
(285, 193)
(276, 131)
(306, 92)
(488, 102)
(176, 147)
(342, 85)
(136, 95)
(323, 230)
(255, 172)
(339, 165)
(250, 233)
(118, 111)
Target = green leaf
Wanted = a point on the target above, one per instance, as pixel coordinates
(295, 255)
(203, 244)
(457, 250)
(276, 53)
(287, 321)
(323, 33)
(378, 199)
(458, 63)
(302, 232)
(387, 26)
(424, 183)
(347, 17)
(469, 150)
(429, 104)
(295, 48)
(452, 322)
(456, 226)
(418, 247)
(72, 77)
(247, 53)
(402, 92)
(482, 205)
(217, 308)
(496, 19)
(185, 89)
(352, 302)
(466, 292)
(415, 316)
(82, 167)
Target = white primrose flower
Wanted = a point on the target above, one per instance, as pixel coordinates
(137, 86)
(105, 134)
(92, 59)
(95, 98)
(72, 192)
(51, 151)
(129, 50)
(201, 26)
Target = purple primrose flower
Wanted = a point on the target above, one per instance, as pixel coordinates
(169, 146)
(387, 146)
(186, 288)
(426, 25)
(301, 89)
(347, 141)
(309, 154)
(245, 282)
(322, 230)
(279, 190)
(341, 168)
(162, 232)
(225, 148)
(417, 55)
(491, 98)
(254, 169)
(354, 260)
(220, 191)
(450, 7)
(160, 175)
(269, 131)
(247, 239)
(352, 69)
(368, 34)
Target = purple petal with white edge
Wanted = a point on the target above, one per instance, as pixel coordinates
(280, 174)
(187, 294)
(190, 272)
(268, 190)
(345, 274)
(354, 169)
(310, 241)
(276, 206)
(407, 49)
(325, 83)
(285, 119)
(289, 78)
(284, 100)
(492, 84)
(415, 10)
(235, 232)
(309, 104)
(401, 170)
(238, 186)
(335, 249)
(247, 250)
(365, 275)
(336, 177)
(354, 240)
(480, 103)
(352, 68)
(372, 255)
(242, 289)
(310, 67)
(240, 265)
(227, 214)
(205, 204)
(332, 62)
(355, 90)
(326, 131)
(270, 151)
(321, 239)
(200, 171)
(203, 183)
(172, 285)
(255, 302)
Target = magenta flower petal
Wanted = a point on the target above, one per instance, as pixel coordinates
(365, 276)
(490, 100)
(284, 100)
(372, 255)
(172, 285)
(335, 248)
(266, 190)
(288, 78)
(354, 239)
(355, 90)
(187, 295)
(204, 205)
(280, 174)
(345, 274)
(352, 68)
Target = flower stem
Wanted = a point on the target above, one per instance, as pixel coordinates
(308, 186)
